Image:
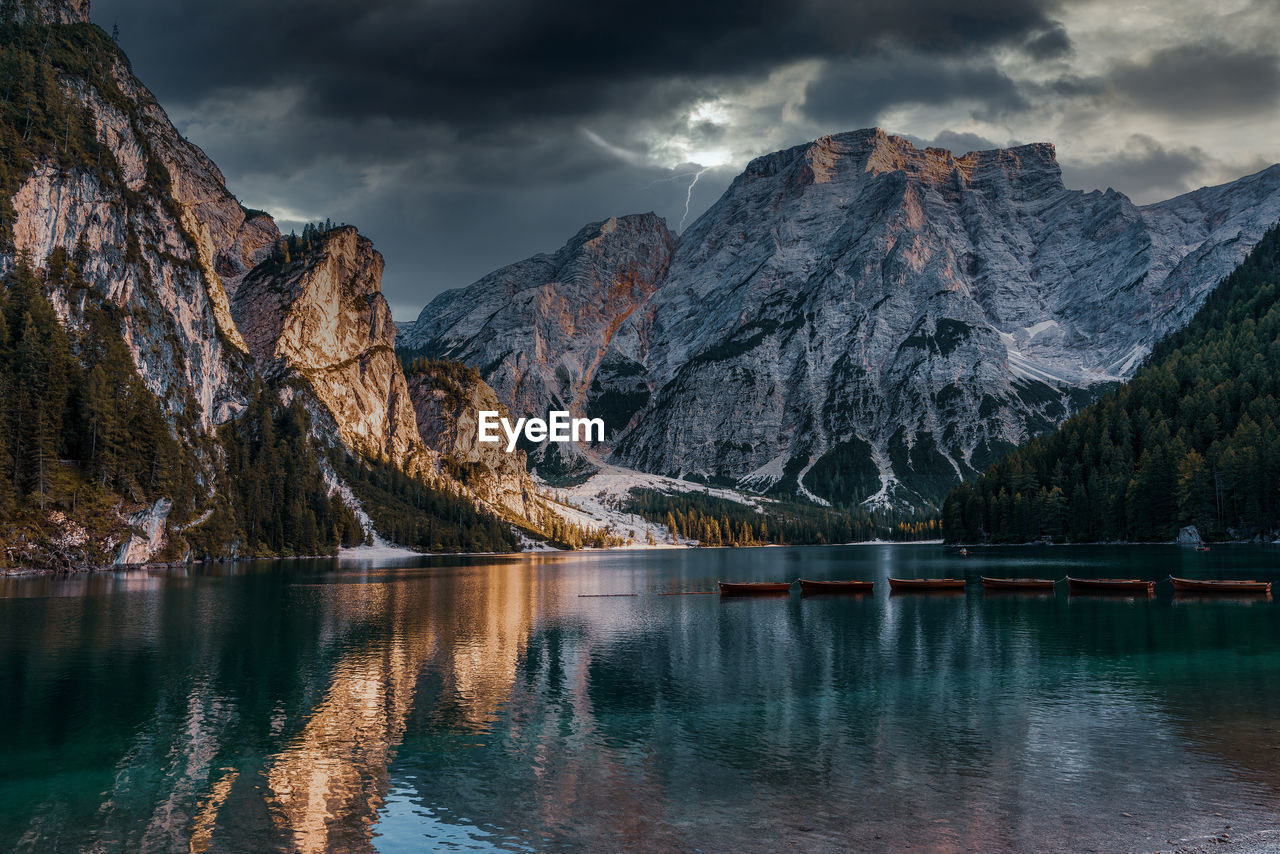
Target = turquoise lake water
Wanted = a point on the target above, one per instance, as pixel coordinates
(504, 704)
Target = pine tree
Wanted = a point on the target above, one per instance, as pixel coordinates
(6, 465)
(1192, 439)
(102, 426)
(40, 370)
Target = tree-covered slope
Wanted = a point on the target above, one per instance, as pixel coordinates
(1193, 439)
(177, 378)
(83, 443)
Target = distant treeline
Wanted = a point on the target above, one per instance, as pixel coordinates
(418, 362)
(564, 534)
(1193, 439)
(714, 521)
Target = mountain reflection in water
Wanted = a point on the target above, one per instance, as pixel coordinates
(483, 703)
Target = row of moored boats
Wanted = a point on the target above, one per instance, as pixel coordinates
(1127, 586)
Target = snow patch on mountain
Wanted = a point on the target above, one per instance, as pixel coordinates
(594, 503)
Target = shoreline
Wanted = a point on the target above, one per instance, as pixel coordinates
(1250, 542)
(1256, 842)
(390, 552)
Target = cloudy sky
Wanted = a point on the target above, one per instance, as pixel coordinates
(462, 135)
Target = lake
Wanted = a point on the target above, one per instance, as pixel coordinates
(505, 704)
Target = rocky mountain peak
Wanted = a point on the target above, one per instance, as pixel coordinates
(856, 317)
(47, 11)
(322, 317)
(617, 233)
(853, 157)
(580, 296)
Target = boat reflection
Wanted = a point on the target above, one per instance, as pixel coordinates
(494, 704)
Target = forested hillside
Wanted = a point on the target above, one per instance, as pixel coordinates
(135, 424)
(1193, 439)
(713, 521)
(84, 443)
(79, 431)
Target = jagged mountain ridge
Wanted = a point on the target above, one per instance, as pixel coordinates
(543, 331)
(207, 310)
(150, 250)
(857, 317)
(323, 319)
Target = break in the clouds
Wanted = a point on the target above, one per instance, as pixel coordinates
(464, 134)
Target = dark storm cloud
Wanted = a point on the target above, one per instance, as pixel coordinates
(1051, 43)
(858, 92)
(463, 135)
(475, 64)
(1071, 86)
(1200, 80)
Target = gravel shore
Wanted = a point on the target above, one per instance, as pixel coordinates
(1261, 842)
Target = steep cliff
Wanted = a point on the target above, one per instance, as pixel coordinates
(45, 11)
(552, 332)
(132, 236)
(859, 319)
(128, 225)
(315, 320)
(323, 318)
(151, 220)
(446, 399)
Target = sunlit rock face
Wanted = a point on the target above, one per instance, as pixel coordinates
(204, 308)
(160, 254)
(858, 318)
(323, 318)
(49, 11)
(446, 400)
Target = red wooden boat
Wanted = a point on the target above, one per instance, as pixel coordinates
(1191, 585)
(754, 588)
(1110, 585)
(1017, 583)
(926, 583)
(836, 586)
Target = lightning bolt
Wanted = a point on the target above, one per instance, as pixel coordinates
(688, 197)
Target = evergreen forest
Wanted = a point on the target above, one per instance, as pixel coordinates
(1192, 439)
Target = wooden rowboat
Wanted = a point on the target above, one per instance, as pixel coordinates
(1191, 585)
(926, 583)
(754, 588)
(836, 586)
(1110, 585)
(1017, 583)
